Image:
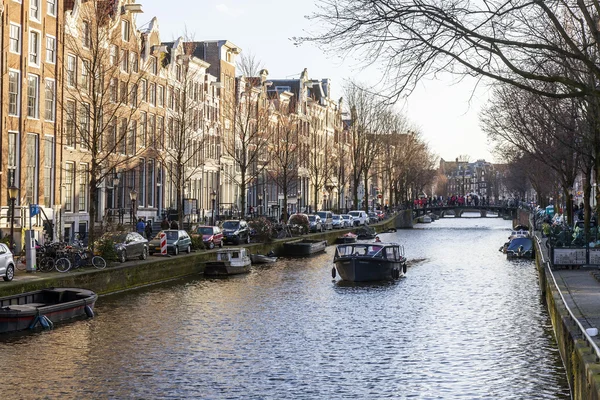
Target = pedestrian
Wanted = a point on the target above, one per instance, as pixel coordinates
(148, 230)
(165, 224)
(174, 225)
(140, 226)
(377, 239)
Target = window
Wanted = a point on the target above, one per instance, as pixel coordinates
(114, 90)
(131, 139)
(114, 54)
(135, 63)
(178, 72)
(50, 100)
(69, 182)
(124, 92)
(152, 94)
(48, 170)
(84, 126)
(160, 132)
(143, 128)
(152, 130)
(160, 96)
(33, 93)
(70, 124)
(50, 49)
(153, 66)
(86, 35)
(134, 95)
(124, 60)
(34, 9)
(85, 75)
(150, 182)
(123, 136)
(142, 90)
(34, 47)
(125, 30)
(83, 186)
(14, 92)
(13, 157)
(142, 183)
(71, 70)
(31, 168)
(15, 38)
(51, 7)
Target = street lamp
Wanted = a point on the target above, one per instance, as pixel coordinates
(213, 196)
(133, 198)
(13, 192)
(325, 201)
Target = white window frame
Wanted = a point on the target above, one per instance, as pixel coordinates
(50, 103)
(12, 39)
(35, 10)
(35, 51)
(50, 49)
(17, 93)
(71, 75)
(36, 106)
(51, 7)
(125, 30)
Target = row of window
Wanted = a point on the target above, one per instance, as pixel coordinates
(14, 43)
(33, 96)
(35, 8)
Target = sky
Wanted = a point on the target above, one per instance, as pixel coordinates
(444, 110)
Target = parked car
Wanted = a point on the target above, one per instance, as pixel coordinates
(373, 218)
(128, 245)
(177, 240)
(360, 217)
(236, 231)
(348, 220)
(337, 221)
(326, 219)
(314, 223)
(7, 263)
(298, 224)
(211, 235)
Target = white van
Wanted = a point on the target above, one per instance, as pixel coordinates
(360, 217)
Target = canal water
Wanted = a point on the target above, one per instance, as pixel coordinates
(464, 323)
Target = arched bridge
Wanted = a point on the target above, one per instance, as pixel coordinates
(457, 211)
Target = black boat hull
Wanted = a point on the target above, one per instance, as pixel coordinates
(366, 269)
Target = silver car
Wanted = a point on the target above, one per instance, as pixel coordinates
(7, 263)
(348, 220)
(337, 221)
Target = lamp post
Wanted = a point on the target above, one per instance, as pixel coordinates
(213, 196)
(299, 201)
(133, 198)
(324, 201)
(13, 192)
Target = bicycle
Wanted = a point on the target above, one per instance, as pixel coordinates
(75, 258)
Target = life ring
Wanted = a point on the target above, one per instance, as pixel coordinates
(333, 272)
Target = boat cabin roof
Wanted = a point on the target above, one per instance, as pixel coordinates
(231, 254)
(390, 251)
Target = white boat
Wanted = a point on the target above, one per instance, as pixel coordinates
(230, 261)
(262, 259)
(425, 219)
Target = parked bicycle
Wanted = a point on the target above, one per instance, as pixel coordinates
(73, 257)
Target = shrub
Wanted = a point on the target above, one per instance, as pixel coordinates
(106, 248)
(197, 243)
(262, 228)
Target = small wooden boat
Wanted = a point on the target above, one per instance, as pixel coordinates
(347, 238)
(304, 247)
(230, 261)
(262, 259)
(364, 262)
(44, 308)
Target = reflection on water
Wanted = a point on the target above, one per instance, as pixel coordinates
(464, 323)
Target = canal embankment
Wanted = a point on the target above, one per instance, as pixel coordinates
(155, 269)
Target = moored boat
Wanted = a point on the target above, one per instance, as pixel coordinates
(347, 238)
(304, 247)
(44, 308)
(520, 247)
(363, 262)
(262, 259)
(230, 261)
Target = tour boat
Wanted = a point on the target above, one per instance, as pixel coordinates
(230, 261)
(44, 308)
(363, 262)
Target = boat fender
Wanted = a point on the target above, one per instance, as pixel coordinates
(35, 321)
(404, 268)
(333, 272)
(49, 323)
(44, 322)
(88, 311)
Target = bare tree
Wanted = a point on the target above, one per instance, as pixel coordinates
(249, 65)
(320, 166)
(184, 134)
(248, 144)
(100, 102)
